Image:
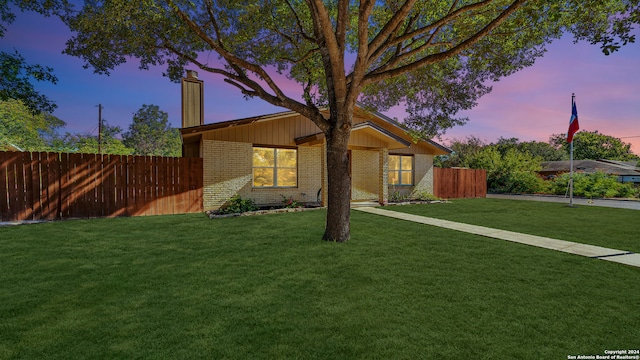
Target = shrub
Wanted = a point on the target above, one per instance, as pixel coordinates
(237, 205)
(397, 196)
(597, 184)
(512, 172)
(288, 202)
(424, 196)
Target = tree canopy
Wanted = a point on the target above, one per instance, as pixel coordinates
(543, 150)
(511, 171)
(593, 145)
(432, 56)
(16, 75)
(465, 150)
(435, 57)
(151, 134)
(88, 143)
(20, 127)
(461, 152)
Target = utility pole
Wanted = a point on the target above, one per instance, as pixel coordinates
(100, 129)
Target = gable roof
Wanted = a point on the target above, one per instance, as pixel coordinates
(237, 122)
(376, 122)
(399, 127)
(392, 138)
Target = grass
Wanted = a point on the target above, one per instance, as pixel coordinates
(607, 227)
(265, 287)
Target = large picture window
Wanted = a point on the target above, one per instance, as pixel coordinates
(274, 167)
(400, 170)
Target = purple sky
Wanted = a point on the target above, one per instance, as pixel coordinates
(530, 105)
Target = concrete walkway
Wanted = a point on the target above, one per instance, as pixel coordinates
(592, 251)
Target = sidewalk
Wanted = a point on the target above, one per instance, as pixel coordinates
(592, 251)
(614, 203)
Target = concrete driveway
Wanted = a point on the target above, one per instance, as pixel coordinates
(622, 204)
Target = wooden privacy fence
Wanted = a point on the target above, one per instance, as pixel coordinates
(450, 183)
(40, 185)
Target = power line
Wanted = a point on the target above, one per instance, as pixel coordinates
(628, 137)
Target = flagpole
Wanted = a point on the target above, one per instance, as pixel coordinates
(571, 178)
(573, 99)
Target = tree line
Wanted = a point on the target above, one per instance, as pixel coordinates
(512, 166)
(148, 134)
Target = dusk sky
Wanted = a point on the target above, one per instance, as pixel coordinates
(530, 105)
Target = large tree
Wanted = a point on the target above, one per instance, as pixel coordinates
(593, 145)
(511, 171)
(464, 151)
(151, 134)
(432, 56)
(28, 131)
(461, 152)
(87, 143)
(540, 149)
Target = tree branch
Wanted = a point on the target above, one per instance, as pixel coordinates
(303, 58)
(299, 23)
(379, 42)
(401, 54)
(374, 77)
(451, 15)
(232, 59)
(361, 64)
(341, 23)
(252, 88)
(332, 54)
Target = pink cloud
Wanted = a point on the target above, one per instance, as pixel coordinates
(535, 102)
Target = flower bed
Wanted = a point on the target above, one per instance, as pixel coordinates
(215, 215)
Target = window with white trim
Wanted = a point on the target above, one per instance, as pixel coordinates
(400, 170)
(275, 167)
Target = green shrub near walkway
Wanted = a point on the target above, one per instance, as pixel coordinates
(596, 185)
(267, 287)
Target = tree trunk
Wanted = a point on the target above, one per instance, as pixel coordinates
(339, 183)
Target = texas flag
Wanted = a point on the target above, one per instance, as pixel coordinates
(573, 123)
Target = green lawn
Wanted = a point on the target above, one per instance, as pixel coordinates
(177, 287)
(607, 227)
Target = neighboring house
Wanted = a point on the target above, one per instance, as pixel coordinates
(268, 157)
(625, 171)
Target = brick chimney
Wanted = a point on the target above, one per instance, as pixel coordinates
(192, 100)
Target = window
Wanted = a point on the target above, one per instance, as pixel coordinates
(400, 170)
(275, 167)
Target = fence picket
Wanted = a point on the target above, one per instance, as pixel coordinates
(449, 183)
(5, 161)
(36, 185)
(51, 185)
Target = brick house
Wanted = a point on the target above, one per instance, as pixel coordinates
(266, 157)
